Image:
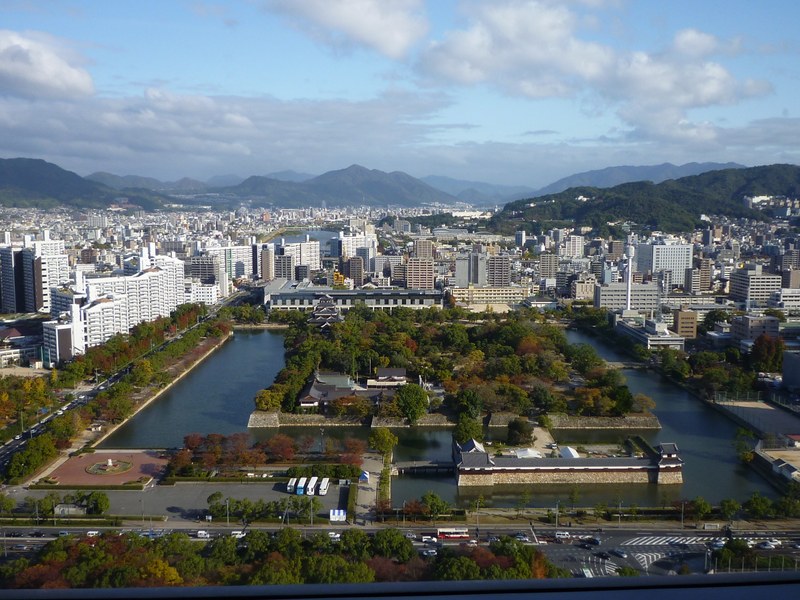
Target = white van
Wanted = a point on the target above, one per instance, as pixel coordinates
(238, 534)
(562, 536)
(203, 535)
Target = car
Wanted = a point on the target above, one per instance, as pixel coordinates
(334, 536)
(238, 534)
(14, 534)
(410, 535)
(18, 436)
(593, 541)
(521, 537)
(429, 539)
(429, 552)
(37, 534)
(717, 544)
(766, 545)
(619, 552)
(492, 539)
(774, 541)
(586, 546)
(603, 555)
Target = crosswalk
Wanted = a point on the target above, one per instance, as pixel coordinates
(648, 558)
(665, 540)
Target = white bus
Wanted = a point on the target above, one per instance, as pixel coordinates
(300, 490)
(324, 485)
(291, 485)
(311, 485)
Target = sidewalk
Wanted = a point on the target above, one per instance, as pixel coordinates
(368, 491)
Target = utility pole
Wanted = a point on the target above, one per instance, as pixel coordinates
(557, 503)
(228, 510)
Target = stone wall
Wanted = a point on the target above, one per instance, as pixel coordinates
(668, 477)
(262, 418)
(629, 422)
(546, 477)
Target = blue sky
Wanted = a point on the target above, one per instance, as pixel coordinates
(508, 91)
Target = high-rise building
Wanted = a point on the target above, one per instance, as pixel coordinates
(268, 262)
(471, 270)
(12, 280)
(573, 246)
(520, 238)
(548, 265)
(305, 253)
(420, 273)
(355, 270)
(423, 249)
(284, 266)
(498, 271)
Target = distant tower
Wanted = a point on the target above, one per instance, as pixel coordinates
(629, 254)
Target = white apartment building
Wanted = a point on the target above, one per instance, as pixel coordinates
(236, 260)
(305, 253)
(573, 246)
(752, 287)
(657, 257)
(346, 245)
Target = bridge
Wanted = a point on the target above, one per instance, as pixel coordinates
(423, 467)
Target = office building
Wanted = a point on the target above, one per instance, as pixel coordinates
(657, 257)
(498, 271)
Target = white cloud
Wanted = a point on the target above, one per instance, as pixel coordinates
(36, 65)
(693, 43)
(389, 26)
(533, 48)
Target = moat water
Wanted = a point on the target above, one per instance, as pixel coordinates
(217, 397)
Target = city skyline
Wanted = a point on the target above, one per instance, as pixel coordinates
(508, 92)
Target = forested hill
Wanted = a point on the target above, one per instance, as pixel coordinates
(674, 205)
(28, 182)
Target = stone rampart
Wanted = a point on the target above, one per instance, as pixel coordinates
(547, 477)
(629, 422)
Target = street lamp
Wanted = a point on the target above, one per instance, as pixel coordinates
(228, 511)
(557, 506)
(619, 514)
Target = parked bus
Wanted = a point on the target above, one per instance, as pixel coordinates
(452, 533)
(300, 490)
(311, 485)
(324, 485)
(291, 485)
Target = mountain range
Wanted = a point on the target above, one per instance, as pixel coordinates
(672, 205)
(34, 182)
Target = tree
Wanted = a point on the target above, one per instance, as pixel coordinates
(728, 508)
(7, 504)
(467, 429)
(759, 506)
(391, 543)
(456, 568)
(383, 440)
(412, 401)
(435, 505)
(96, 503)
(701, 508)
(520, 432)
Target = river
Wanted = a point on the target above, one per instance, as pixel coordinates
(217, 397)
